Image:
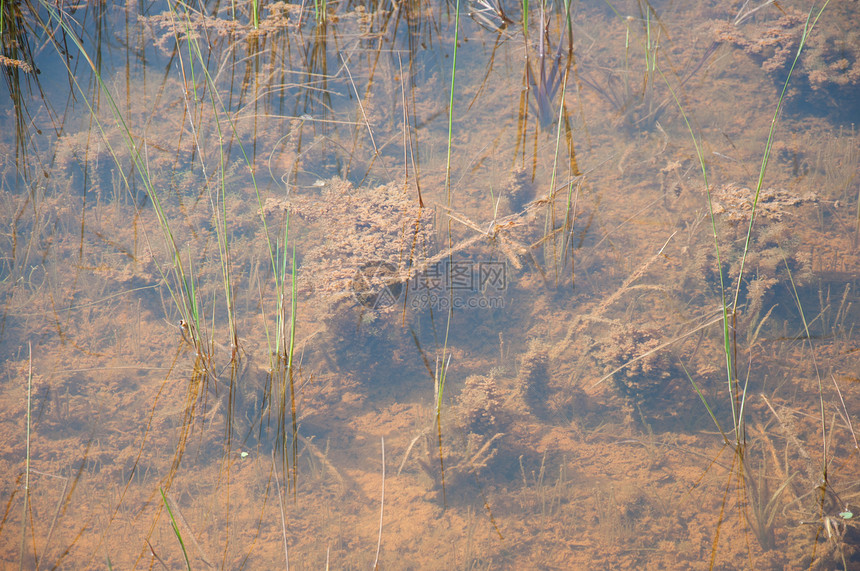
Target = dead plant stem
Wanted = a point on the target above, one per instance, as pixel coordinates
(381, 509)
(24, 509)
(283, 518)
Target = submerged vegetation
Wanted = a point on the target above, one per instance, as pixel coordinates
(586, 281)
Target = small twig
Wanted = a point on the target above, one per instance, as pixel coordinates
(360, 105)
(381, 509)
(154, 554)
(790, 435)
(408, 147)
(409, 449)
(24, 509)
(481, 457)
(60, 503)
(325, 461)
(845, 413)
(739, 17)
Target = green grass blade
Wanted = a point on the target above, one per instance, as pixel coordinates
(526, 18)
(217, 103)
(451, 104)
(181, 299)
(807, 29)
(727, 340)
(293, 307)
(176, 531)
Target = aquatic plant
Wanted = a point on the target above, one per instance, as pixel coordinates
(472, 443)
(184, 288)
(763, 502)
(816, 502)
(738, 397)
(377, 227)
(829, 60)
(20, 74)
(479, 406)
(467, 456)
(647, 369)
(547, 69)
(773, 246)
(183, 280)
(532, 383)
(634, 100)
(552, 68)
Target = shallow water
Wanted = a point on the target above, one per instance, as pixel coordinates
(503, 352)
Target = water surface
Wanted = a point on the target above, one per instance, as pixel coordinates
(366, 284)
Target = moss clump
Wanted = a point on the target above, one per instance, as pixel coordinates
(646, 370)
(480, 409)
(532, 383)
(375, 235)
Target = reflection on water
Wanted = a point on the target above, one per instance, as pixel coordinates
(256, 298)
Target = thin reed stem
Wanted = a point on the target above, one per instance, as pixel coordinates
(25, 509)
(283, 516)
